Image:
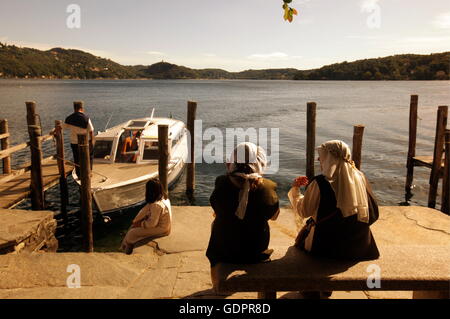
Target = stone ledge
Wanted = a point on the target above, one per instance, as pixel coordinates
(24, 230)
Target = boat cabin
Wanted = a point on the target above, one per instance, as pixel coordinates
(136, 141)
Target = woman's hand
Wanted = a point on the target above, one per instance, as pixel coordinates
(136, 224)
(300, 181)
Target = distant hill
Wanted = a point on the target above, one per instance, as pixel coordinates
(398, 67)
(58, 63)
(164, 70)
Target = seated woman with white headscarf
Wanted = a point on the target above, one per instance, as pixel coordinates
(340, 206)
(243, 202)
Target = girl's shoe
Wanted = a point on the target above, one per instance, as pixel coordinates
(129, 249)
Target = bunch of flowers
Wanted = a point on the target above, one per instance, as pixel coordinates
(301, 181)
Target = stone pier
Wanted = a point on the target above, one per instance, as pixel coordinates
(176, 266)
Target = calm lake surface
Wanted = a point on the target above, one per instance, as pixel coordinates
(382, 107)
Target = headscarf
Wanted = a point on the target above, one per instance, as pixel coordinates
(255, 157)
(347, 182)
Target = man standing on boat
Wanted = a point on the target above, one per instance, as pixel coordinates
(79, 123)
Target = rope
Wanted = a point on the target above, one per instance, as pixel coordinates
(77, 165)
(54, 143)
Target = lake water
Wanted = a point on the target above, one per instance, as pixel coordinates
(382, 107)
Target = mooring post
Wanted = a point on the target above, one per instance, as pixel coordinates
(4, 145)
(437, 155)
(190, 178)
(63, 189)
(446, 180)
(37, 182)
(85, 193)
(413, 106)
(358, 133)
(163, 150)
(310, 138)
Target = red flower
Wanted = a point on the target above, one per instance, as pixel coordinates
(301, 181)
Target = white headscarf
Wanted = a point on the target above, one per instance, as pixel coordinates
(257, 161)
(347, 181)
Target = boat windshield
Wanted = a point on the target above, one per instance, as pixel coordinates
(102, 149)
(128, 146)
(150, 150)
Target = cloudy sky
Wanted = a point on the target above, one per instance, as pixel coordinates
(230, 34)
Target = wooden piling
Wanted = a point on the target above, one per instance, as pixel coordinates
(37, 183)
(163, 150)
(446, 180)
(437, 155)
(85, 193)
(4, 145)
(358, 133)
(190, 178)
(63, 188)
(413, 106)
(310, 138)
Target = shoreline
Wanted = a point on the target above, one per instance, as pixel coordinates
(208, 79)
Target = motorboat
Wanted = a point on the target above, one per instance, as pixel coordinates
(126, 157)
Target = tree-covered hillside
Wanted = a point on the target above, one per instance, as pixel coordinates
(58, 63)
(16, 62)
(397, 67)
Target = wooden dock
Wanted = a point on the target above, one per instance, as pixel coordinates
(437, 162)
(15, 188)
(39, 174)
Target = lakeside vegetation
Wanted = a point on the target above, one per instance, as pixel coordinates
(58, 63)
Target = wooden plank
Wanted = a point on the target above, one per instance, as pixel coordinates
(411, 145)
(426, 161)
(85, 193)
(19, 147)
(7, 177)
(358, 132)
(27, 165)
(37, 179)
(445, 206)
(17, 189)
(16, 148)
(163, 150)
(4, 144)
(437, 155)
(310, 138)
(46, 138)
(190, 179)
(63, 188)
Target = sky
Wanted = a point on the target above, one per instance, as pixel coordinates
(234, 35)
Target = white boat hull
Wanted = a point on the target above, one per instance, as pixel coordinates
(128, 195)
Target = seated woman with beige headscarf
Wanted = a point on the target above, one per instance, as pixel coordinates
(340, 206)
(243, 202)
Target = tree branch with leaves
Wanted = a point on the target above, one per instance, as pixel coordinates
(288, 11)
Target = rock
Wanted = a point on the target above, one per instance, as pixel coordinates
(27, 231)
